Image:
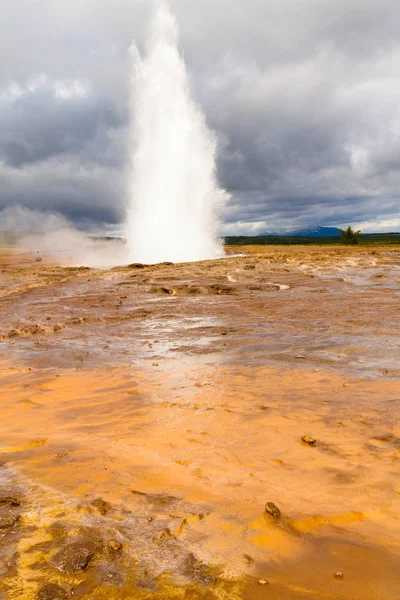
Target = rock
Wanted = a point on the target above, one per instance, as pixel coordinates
(263, 582)
(57, 327)
(101, 506)
(76, 556)
(10, 497)
(51, 591)
(163, 536)
(75, 321)
(8, 521)
(13, 333)
(147, 584)
(35, 329)
(114, 546)
(272, 510)
(193, 567)
(222, 289)
(248, 559)
(309, 440)
(136, 266)
(338, 575)
(169, 291)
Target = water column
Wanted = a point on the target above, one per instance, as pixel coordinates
(174, 197)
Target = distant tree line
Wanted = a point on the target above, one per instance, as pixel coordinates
(346, 236)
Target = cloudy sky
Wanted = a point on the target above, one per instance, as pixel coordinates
(304, 96)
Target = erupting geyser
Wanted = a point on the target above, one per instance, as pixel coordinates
(174, 198)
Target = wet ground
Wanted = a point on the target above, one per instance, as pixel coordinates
(150, 413)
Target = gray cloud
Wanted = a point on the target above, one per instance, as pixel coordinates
(303, 94)
(49, 122)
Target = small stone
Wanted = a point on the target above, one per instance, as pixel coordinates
(75, 557)
(51, 591)
(75, 321)
(8, 522)
(338, 575)
(147, 584)
(101, 505)
(13, 333)
(272, 510)
(114, 546)
(10, 497)
(193, 567)
(263, 582)
(309, 440)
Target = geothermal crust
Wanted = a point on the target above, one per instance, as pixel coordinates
(222, 429)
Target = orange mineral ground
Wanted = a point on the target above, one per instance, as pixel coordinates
(150, 413)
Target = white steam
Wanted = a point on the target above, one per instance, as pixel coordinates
(53, 238)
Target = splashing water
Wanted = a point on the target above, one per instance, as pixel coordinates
(174, 198)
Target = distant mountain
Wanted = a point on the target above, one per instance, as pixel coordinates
(314, 231)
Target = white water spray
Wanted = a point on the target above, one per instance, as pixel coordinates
(174, 198)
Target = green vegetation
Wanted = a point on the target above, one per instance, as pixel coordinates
(349, 236)
(365, 239)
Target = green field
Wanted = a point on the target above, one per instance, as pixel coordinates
(376, 239)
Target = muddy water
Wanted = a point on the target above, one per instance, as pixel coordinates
(163, 407)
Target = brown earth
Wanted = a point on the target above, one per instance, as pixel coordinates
(149, 414)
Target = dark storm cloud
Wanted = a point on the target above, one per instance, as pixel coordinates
(82, 195)
(304, 96)
(46, 123)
